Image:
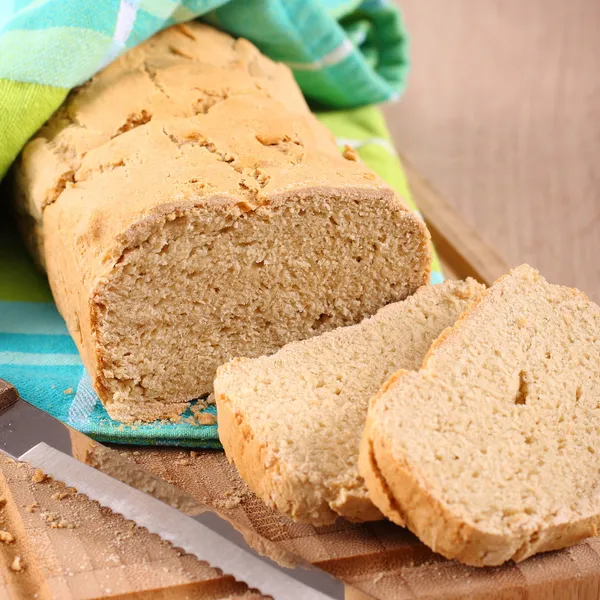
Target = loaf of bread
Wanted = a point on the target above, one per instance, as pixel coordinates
(292, 422)
(189, 208)
(491, 451)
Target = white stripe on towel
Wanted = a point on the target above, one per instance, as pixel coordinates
(83, 403)
(123, 28)
(334, 57)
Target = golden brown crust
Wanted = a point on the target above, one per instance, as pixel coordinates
(379, 492)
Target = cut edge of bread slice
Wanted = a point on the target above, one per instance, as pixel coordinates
(266, 477)
(404, 495)
(279, 482)
(272, 481)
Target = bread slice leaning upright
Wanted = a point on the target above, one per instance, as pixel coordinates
(292, 422)
(491, 451)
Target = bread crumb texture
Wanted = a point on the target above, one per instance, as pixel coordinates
(292, 422)
(189, 208)
(17, 564)
(6, 537)
(38, 476)
(491, 450)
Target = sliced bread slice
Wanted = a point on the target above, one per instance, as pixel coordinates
(292, 422)
(491, 451)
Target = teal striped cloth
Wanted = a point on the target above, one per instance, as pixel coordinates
(344, 53)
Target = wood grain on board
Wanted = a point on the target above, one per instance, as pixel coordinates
(105, 556)
(502, 113)
(71, 548)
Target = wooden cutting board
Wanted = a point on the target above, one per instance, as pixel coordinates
(377, 560)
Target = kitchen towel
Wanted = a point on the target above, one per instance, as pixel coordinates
(38, 356)
(344, 53)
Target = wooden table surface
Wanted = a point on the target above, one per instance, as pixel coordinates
(502, 115)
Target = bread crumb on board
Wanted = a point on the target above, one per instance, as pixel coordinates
(56, 521)
(32, 507)
(232, 500)
(39, 476)
(60, 495)
(63, 524)
(17, 565)
(6, 537)
(350, 153)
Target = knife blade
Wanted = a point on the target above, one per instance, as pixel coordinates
(31, 435)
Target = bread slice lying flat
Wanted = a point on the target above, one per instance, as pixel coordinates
(491, 451)
(292, 422)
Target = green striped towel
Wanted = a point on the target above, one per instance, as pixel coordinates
(343, 54)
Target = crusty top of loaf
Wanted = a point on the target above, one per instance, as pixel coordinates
(180, 72)
(307, 403)
(499, 429)
(142, 143)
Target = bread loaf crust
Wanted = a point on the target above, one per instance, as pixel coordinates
(191, 132)
(379, 492)
(405, 496)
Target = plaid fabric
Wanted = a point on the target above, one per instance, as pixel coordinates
(344, 53)
(40, 359)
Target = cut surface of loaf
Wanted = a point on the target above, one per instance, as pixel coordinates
(189, 209)
(491, 451)
(292, 422)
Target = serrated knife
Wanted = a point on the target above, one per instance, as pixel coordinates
(31, 435)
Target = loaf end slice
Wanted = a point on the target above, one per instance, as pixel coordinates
(292, 422)
(490, 451)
